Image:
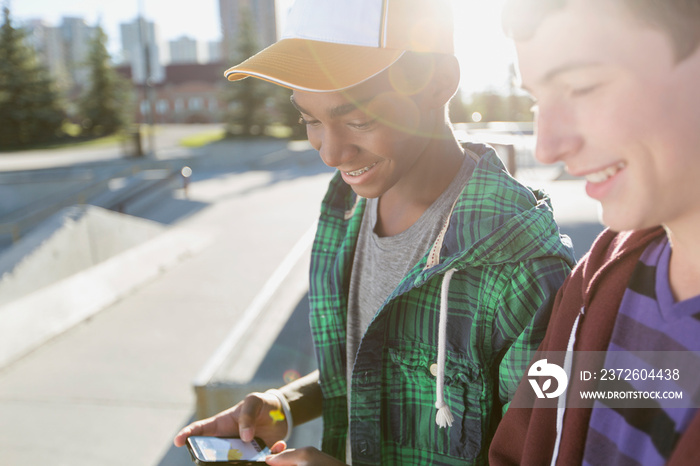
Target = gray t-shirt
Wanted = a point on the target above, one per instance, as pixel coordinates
(380, 263)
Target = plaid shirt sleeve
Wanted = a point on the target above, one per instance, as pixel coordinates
(526, 305)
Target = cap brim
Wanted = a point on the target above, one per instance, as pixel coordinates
(315, 66)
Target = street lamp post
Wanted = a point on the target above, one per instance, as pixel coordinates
(147, 79)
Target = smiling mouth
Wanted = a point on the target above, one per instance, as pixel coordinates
(360, 171)
(603, 175)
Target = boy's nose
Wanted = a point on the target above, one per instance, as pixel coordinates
(557, 136)
(334, 149)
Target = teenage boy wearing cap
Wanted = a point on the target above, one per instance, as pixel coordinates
(618, 102)
(430, 263)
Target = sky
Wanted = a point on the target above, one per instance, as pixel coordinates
(484, 53)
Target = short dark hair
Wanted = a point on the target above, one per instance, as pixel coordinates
(679, 19)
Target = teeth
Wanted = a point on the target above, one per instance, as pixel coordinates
(360, 171)
(599, 177)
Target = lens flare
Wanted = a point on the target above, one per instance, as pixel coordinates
(276, 415)
(396, 111)
(411, 75)
(235, 455)
(290, 376)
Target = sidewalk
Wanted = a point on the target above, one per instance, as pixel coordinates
(115, 389)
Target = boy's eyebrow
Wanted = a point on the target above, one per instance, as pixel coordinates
(338, 111)
(551, 75)
(350, 107)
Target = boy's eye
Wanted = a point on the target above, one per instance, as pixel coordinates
(581, 91)
(304, 121)
(363, 125)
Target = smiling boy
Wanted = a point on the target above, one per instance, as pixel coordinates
(616, 85)
(431, 265)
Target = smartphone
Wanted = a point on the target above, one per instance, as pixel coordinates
(220, 450)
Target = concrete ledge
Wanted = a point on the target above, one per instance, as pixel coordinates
(269, 347)
(30, 321)
(72, 240)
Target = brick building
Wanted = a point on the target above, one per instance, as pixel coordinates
(189, 93)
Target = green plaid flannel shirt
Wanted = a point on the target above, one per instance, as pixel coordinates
(511, 260)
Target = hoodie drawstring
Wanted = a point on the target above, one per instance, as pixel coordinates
(561, 403)
(444, 417)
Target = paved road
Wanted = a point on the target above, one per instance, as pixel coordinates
(166, 143)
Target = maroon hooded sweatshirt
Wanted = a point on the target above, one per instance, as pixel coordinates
(594, 290)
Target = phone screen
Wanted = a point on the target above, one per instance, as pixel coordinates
(215, 449)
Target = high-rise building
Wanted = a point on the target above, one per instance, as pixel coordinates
(214, 51)
(63, 49)
(185, 50)
(262, 15)
(141, 50)
(46, 41)
(77, 37)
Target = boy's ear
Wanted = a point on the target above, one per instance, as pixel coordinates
(445, 81)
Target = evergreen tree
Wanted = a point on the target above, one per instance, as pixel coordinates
(104, 106)
(30, 111)
(247, 113)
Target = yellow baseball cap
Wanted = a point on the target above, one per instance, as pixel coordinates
(330, 45)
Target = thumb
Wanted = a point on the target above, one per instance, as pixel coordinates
(250, 410)
(278, 447)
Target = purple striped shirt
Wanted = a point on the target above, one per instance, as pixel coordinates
(649, 320)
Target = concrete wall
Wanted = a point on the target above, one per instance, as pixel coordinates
(57, 276)
(72, 240)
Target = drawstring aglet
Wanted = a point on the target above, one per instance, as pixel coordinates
(444, 416)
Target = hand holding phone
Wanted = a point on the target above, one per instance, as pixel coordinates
(220, 450)
(255, 416)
